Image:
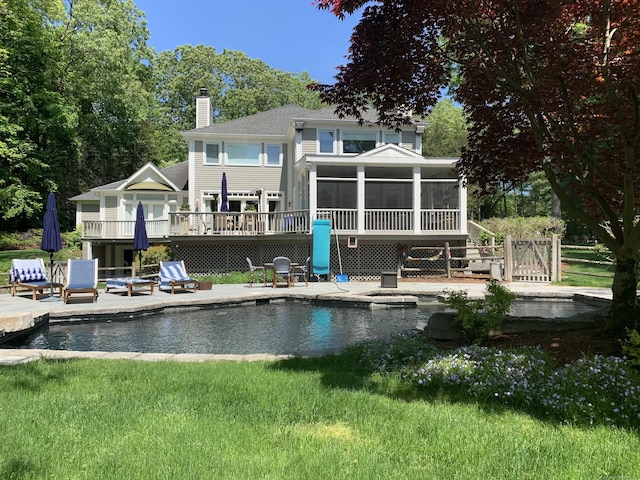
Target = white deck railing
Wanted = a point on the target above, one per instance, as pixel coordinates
(342, 219)
(247, 223)
(380, 220)
(122, 228)
(440, 220)
(298, 221)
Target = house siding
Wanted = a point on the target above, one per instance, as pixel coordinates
(309, 142)
(239, 179)
(408, 140)
(111, 208)
(199, 152)
(88, 216)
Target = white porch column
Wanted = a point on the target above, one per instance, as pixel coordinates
(463, 206)
(360, 198)
(87, 250)
(417, 193)
(313, 192)
(289, 165)
(192, 173)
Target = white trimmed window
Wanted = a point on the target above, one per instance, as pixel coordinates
(392, 137)
(273, 155)
(326, 139)
(243, 154)
(358, 141)
(212, 154)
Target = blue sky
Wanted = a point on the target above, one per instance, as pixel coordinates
(289, 35)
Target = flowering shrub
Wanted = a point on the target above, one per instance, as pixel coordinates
(488, 373)
(590, 390)
(477, 318)
(397, 353)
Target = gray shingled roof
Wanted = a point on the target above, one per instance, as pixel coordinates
(178, 174)
(271, 122)
(276, 121)
(328, 113)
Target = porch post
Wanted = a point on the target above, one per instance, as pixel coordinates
(417, 194)
(361, 198)
(313, 191)
(192, 173)
(462, 192)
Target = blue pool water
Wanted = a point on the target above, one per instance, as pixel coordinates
(276, 328)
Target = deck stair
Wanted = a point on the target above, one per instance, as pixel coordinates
(478, 262)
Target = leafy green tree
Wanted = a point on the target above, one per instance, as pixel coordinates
(548, 86)
(237, 85)
(75, 90)
(104, 72)
(34, 121)
(446, 135)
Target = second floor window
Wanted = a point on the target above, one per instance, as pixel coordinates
(392, 137)
(358, 142)
(325, 141)
(243, 154)
(212, 154)
(273, 155)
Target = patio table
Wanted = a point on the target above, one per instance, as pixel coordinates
(269, 266)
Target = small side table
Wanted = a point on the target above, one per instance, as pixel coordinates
(389, 279)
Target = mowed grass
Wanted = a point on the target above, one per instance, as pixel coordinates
(587, 274)
(293, 419)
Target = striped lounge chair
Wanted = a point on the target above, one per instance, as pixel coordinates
(30, 275)
(173, 276)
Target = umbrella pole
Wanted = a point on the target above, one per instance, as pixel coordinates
(140, 264)
(51, 277)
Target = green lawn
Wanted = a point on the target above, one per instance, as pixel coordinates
(587, 274)
(297, 419)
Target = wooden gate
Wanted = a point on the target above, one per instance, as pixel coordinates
(531, 259)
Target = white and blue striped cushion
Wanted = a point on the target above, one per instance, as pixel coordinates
(25, 271)
(172, 272)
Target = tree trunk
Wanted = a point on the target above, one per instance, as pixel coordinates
(624, 309)
(556, 207)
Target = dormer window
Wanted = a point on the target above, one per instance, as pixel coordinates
(358, 141)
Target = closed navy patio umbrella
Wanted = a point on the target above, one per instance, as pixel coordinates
(224, 207)
(51, 240)
(140, 239)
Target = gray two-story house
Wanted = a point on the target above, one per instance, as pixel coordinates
(284, 168)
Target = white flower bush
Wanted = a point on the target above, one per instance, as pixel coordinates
(593, 389)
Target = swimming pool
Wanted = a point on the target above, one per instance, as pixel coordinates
(274, 328)
(279, 328)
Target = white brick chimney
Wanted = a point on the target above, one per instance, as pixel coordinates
(203, 109)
